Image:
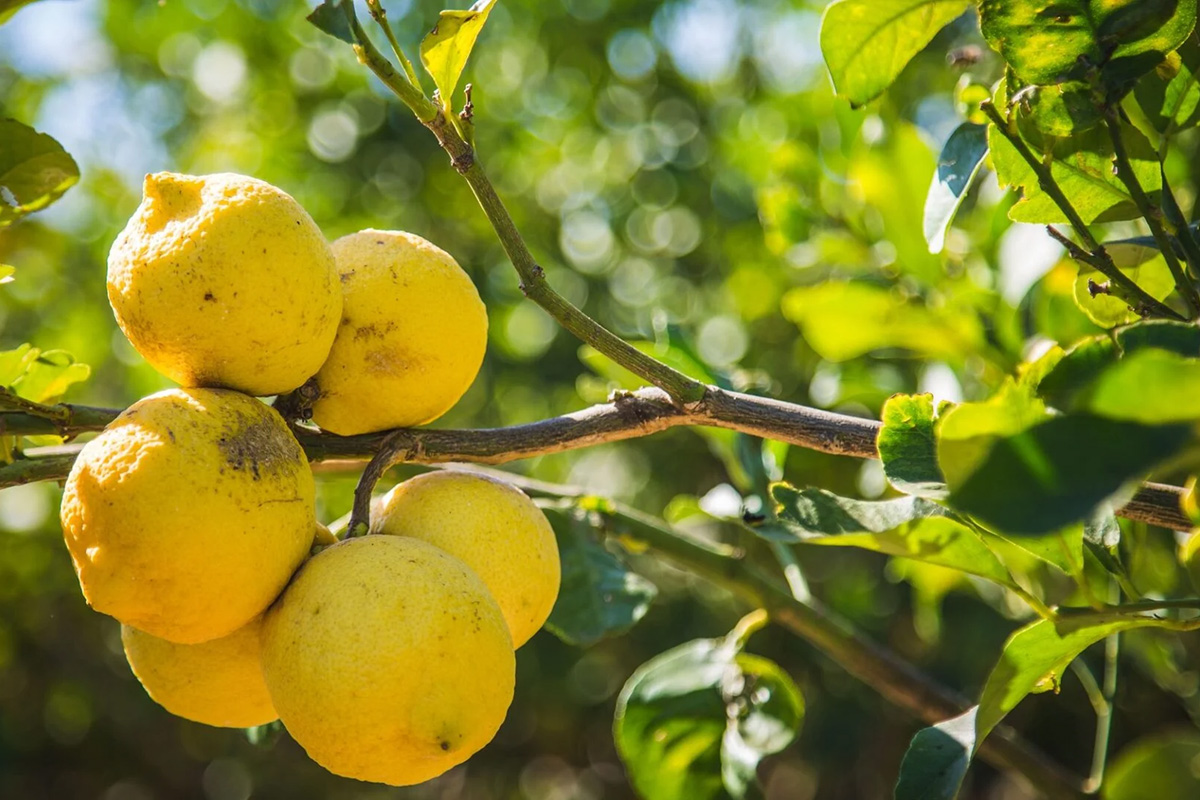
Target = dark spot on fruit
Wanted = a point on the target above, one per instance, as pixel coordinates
(444, 744)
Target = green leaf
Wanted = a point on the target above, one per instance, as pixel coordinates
(6, 273)
(49, 375)
(1082, 166)
(1035, 656)
(1066, 386)
(1170, 95)
(599, 597)
(960, 161)
(842, 321)
(1149, 386)
(34, 170)
(1182, 338)
(10, 7)
(907, 447)
(15, 363)
(1162, 767)
(445, 49)
(866, 43)
(1060, 471)
(937, 760)
(1061, 549)
(1047, 43)
(1076, 370)
(908, 527)
(694, 722)
(1108, 311)
(967, 432)
(330, 17)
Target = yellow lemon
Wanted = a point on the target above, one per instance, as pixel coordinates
(224, 280)
(218, 682)
(388, 660)
(412, 337)
(493, 527)
(187, 515)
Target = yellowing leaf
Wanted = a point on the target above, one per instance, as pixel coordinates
(446, 48)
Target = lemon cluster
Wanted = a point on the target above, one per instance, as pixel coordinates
(191, 518)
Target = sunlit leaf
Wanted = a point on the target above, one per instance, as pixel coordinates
(694, 722)
(959, 163)
(1170, 95)
(842, 321)
(1064, 109)
(937, 760)
(907, 527)
(1060, 549)
(14, 363)
(907, 447)
(1081, 164)
(6, 273)
(599, 597)
(1048, 44)
(866, 43)
(1150, 386)
(34, 170)
(967, 432)
(1035, 656)
(1108, 311)
(445, 49)
(48, 376)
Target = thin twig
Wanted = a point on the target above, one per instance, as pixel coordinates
(1179, 227)
(1122, 285)
(631, 415)
(380, 16)
(680, 387)
(1152, 213)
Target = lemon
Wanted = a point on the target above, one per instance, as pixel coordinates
(412, 336)
(217, 683)
(388, 660)
(493, 527)
(187, 515)
(224, 280)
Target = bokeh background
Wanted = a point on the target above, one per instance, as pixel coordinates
(684, 173)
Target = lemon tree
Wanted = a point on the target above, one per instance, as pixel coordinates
(915, 284)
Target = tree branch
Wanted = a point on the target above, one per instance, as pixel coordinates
(630, 415)
(1122, 285)
(1150, 212)
(682, 389)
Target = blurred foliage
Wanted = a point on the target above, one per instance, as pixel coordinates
(683, 172)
